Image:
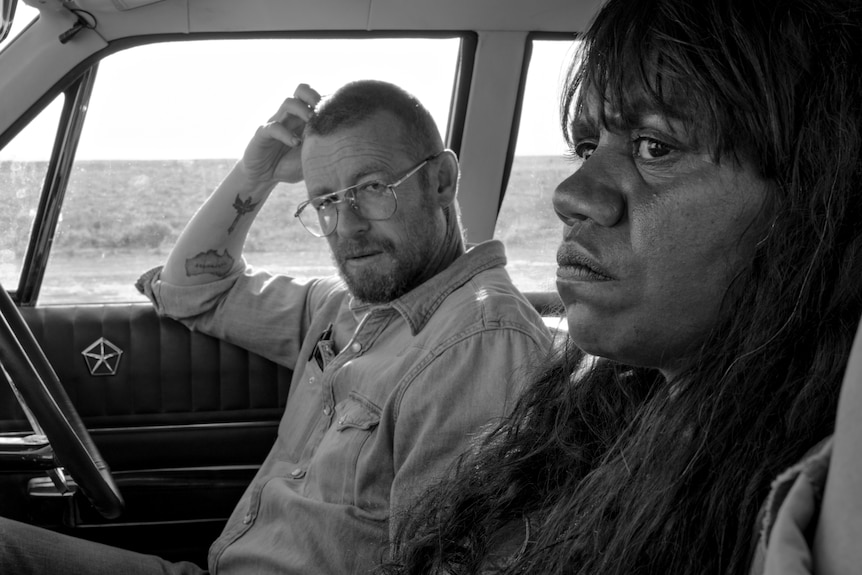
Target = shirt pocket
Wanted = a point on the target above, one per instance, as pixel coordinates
(357, 413)
(333, 473)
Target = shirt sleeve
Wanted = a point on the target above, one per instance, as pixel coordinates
(791, 516)
(452, 402)
(267, 314)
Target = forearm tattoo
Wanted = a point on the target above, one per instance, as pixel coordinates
(242, 207)
(210, 262)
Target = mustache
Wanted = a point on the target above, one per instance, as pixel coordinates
(571, 254)
(353, 248)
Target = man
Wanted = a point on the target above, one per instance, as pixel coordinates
(395, 372)
(397, 363)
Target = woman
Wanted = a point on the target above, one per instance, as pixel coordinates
(711, 271)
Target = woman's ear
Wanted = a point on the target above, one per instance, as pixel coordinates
(448, 172)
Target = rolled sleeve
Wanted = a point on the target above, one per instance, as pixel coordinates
(267, 314)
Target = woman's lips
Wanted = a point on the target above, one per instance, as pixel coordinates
(574, 265)
(579, 273)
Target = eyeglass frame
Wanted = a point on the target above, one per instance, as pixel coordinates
(342, 195)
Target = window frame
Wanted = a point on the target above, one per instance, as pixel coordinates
(522, 87)
(78, 86)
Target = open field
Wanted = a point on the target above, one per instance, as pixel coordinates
(121, 217)
(100, 278)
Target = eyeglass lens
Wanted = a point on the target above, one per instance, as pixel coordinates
(371, 201)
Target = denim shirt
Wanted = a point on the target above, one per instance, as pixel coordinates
(391, 397)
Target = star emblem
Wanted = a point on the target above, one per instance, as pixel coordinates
(102, 357)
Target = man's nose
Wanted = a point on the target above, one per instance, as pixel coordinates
(350, 221)
(593, 192)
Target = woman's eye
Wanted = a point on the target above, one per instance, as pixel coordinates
(650, 149)
(584, 150)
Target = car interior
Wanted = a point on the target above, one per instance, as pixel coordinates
(117, 119)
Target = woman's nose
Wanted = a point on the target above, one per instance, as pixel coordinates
(591, 193)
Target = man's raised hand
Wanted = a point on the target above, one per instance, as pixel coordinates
(273, 154)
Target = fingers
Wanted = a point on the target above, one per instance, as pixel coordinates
(307, 94)
(292, 108)
(300, 106)
(274, 150)
(277, 131)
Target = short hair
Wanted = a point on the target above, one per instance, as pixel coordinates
(357, 101)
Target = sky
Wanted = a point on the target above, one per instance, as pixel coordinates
(250, 79)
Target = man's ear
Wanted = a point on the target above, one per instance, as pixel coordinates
(448, 173)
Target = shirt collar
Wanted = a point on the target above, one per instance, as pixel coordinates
(419, 304)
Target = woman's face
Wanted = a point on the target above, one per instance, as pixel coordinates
(655, 232)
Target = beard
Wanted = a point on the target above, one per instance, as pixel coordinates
(392, 273)
(401, 262)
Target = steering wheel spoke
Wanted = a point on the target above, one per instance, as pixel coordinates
(38, 386)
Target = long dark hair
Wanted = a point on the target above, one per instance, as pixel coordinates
(617, 470)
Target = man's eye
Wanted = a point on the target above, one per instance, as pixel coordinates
(650, 149)
(373, 187)
(323, 204)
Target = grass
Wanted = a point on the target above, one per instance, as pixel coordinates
(121, 217)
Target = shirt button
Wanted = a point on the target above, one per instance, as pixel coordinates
(247, 519)
(311, 380)
(297, 473)
(356, 347)
(326, 410)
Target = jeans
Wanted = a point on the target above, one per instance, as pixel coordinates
(28, 550)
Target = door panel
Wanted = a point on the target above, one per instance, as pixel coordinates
(166, 374)
(183, 423)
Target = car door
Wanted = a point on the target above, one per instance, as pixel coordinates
(96, 188)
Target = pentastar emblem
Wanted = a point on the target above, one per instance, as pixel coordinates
(102, 357)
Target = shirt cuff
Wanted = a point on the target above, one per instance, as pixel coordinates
(181, 302)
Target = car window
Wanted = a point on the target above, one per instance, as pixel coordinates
(165, 124)
(527, 223)
(23, 166)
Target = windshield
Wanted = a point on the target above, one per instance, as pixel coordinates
(24, 15)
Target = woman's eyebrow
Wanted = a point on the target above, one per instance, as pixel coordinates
(634, 111)
(638, 108)
(583, 126)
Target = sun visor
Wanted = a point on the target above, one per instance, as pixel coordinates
(112, 5)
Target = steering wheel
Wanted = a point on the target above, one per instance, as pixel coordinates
(39, 387)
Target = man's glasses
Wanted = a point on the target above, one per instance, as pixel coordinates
(372, 200)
